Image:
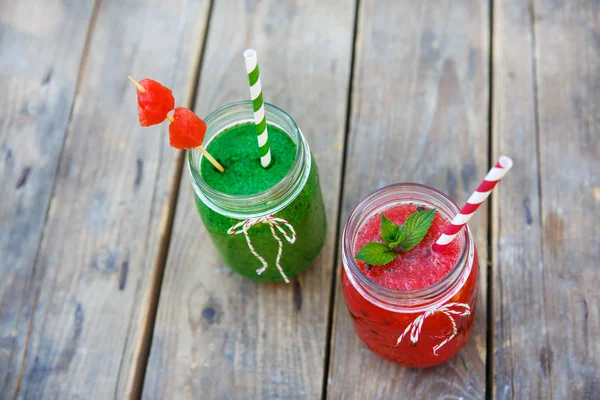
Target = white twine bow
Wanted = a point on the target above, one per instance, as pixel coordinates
(416, 326)
(243, 226)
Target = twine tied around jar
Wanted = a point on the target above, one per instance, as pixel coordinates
(242, 227)
(415, 327)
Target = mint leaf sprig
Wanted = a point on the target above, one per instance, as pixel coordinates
(397, 238)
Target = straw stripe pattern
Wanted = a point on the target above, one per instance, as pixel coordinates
(483, 191)
(258, 106)
(274, 223)
(449, 309)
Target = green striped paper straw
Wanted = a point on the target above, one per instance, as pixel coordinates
(262, 133)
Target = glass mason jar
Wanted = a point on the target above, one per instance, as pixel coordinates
(416, 328)
(274, 234)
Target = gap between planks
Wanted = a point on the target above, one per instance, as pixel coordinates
(493, 210)
(161, 261)
(338, 220)
(84, 59)
(536, 126)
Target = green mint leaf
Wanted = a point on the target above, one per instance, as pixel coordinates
(415, 228)
(393, 245)
(389, 230)
(375, 253)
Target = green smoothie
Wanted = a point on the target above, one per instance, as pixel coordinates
(236, 149)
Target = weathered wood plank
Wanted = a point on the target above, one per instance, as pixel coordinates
(219, 336)
(568, 77)
(419, 113)
(521, 357)
(97, 267)
(41, 46)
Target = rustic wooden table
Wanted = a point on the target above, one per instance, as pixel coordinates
(109, 287)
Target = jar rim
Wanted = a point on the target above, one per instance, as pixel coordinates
(422, 298)
(268, 201)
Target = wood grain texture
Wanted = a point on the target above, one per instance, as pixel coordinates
(41, 46)
(520, 345)
(98, 263)
(568, 77)
(217, 335)
(419, 113)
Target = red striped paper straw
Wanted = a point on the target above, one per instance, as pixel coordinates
(483, 191)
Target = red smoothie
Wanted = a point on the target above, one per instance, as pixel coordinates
(387, 302)
(415, 269)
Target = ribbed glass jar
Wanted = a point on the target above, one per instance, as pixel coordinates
(294, 204)
(416, 328)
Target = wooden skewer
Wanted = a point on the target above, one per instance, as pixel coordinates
(171, 119)
(210, 158)
(137, 85)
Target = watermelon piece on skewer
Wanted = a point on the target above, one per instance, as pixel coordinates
(154, 101)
